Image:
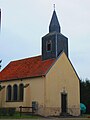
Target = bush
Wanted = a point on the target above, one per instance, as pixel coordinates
(7, 111)
(3, 111)
(11, 111)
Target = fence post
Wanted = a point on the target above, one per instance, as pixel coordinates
(20, 111)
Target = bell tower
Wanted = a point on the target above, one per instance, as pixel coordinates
(54, 42)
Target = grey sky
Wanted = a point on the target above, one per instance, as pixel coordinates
(24, 22)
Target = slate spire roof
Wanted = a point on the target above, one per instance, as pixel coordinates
(54, 24)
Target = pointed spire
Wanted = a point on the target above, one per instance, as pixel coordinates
(54, 24)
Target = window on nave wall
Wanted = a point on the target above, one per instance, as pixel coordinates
(21, 92)
(9, 93)
(15, 92)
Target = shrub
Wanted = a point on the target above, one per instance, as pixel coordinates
(7, 111)
(3, 111)
(11, 111)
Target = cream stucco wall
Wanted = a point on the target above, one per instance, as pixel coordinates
(62, 78)
(33, 92)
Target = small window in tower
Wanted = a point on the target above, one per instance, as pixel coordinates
(49, 46)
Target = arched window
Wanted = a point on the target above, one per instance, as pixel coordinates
(49, 45)
(15, 92)
(21, 92)
(9, 93)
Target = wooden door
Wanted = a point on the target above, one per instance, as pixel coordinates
(63, 103)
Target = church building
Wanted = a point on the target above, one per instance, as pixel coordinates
(48, 82)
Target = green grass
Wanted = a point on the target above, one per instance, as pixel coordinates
(17, 116)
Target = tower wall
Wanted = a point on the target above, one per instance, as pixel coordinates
(48, 54)
(62, 44)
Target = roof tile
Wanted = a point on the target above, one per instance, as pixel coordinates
(25, 68)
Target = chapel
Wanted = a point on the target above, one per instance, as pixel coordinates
(47, 82)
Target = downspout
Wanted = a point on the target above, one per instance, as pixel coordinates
(44, 78)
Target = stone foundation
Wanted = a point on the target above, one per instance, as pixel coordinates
(55, 111)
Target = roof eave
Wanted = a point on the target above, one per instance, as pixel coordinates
(21, 78)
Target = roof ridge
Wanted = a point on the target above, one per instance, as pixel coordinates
(25, 58)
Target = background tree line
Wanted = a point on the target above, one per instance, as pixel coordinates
(85, 93)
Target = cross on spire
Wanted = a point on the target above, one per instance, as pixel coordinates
(54, 6)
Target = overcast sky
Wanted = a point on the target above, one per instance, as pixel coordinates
(24, 22)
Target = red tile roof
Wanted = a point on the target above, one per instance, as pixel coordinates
(25, 68)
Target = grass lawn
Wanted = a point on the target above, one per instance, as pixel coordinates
(24, 116)
(17, 116)
(74, 118)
